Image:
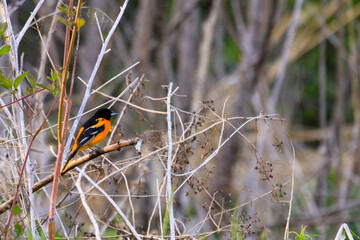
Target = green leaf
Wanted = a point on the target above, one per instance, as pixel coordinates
(18, 229)
(28, 133)
(38, 191)
(58, 235)
(55, 76)
(47, 87)
(3, 28)
(4, 82)
(40, 231)
(29, 91)
(63, 21)
(19, 79)
(50, 88)
(31, 80)
(64, 9)
(4, 50)
(80, 22)
(29, 235)
(57, 92)
(17, 210)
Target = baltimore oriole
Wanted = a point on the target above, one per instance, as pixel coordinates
(91, 133)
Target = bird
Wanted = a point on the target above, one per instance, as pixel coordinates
(91, 133)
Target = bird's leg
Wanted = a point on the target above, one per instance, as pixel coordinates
(94, 148)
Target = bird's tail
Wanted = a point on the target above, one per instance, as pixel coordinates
(69, 160)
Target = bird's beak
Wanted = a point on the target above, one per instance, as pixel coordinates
(114, 113)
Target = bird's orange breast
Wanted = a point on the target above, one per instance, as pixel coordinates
(99, 137)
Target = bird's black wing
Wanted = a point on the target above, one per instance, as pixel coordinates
(90, 131)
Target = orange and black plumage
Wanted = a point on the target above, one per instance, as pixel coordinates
(91, 133)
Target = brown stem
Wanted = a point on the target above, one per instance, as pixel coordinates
(66, 68)
(61, 136)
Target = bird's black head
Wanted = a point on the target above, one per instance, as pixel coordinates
(104, 113)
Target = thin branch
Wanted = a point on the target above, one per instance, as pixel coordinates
(115, 77)
(129, 196)
(159, 205)
(46, 44)
(99, 28)
(133, 105)
(113, 203)
(169, 162)
(213, 154)
(17, 100)
(286, 234)
(86, 206)
(28, 22)
(138, 82)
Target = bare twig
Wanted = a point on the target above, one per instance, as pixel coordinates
(85, 205)
(115, 77)
(169, 163)
(17, 100)
(113, 203)
(28, 22)
(215, 152)
(286, 234)
(133, 105)
(135, 82)
(99, 28)
(46, 44)
(340, 234)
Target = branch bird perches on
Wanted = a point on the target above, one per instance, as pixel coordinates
(37, 186)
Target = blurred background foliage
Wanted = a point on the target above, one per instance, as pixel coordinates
(264, 59)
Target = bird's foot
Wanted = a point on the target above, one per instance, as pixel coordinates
(94, 148)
